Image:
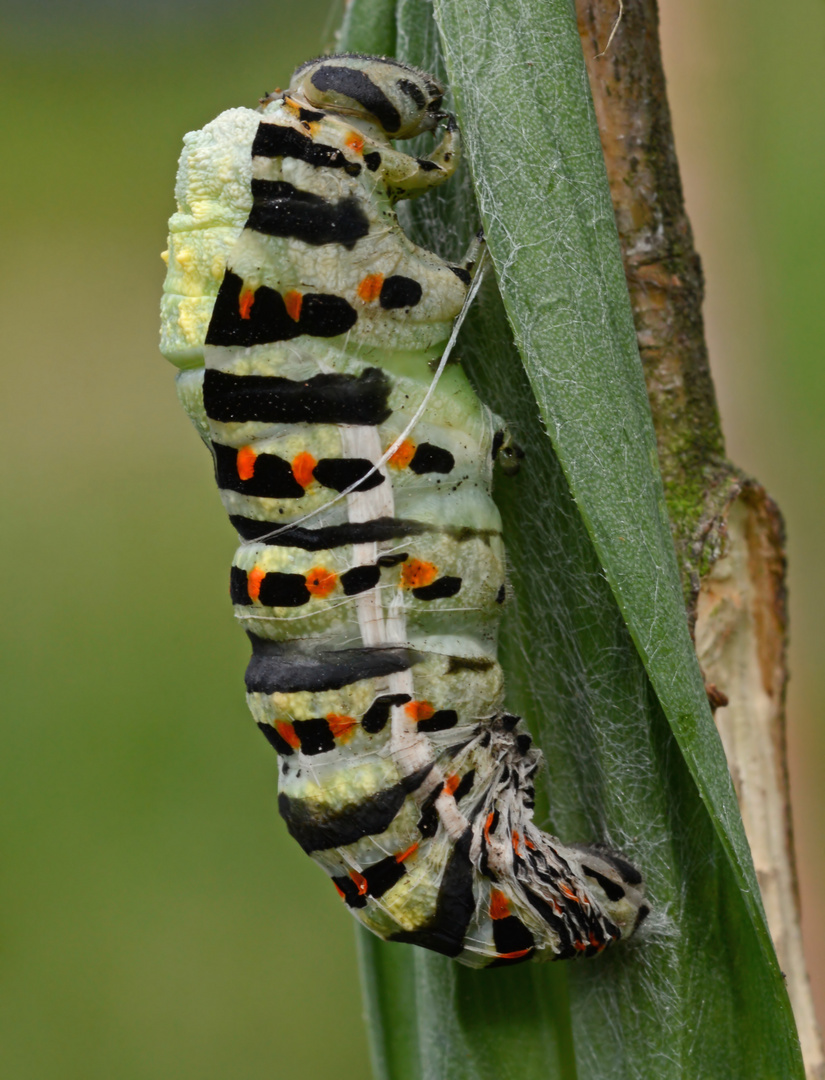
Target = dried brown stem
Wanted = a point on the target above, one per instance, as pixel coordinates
(728, 534)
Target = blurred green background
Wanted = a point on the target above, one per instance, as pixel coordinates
(156, 920)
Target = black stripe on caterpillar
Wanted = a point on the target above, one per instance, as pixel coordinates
(371, 569)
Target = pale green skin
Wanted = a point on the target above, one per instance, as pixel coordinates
(213, 194)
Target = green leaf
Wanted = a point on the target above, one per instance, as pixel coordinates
(596, 646)
(369, 28)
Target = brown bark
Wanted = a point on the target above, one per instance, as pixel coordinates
(728, 534)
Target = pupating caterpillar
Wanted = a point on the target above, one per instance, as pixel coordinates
(371, 570)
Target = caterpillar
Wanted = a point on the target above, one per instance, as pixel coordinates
(371, 571)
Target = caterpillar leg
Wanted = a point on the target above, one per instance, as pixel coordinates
(469, 265)
(409, 177)
(507, 453)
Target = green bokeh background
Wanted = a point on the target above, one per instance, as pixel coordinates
(156, 920)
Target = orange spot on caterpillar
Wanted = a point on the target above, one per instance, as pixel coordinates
(245, 462)
(340, 891)
(287, 733)
(403, 455)
(321, 582)
(341, 726)
(415, 574)
(245, 302)
(499, 905)
(292, 303)
(568, 892)
(452, 783)
(516, 840)
(254, 578)
(529, 844)
(579, 946)
(402, 855)
(302, 466)
(360, 881)
(487, 825)
(513, 955)
(594, 941)
(370, 289)
(419, 710)
(355, 142)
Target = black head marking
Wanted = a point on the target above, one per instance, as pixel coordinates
(357, 85)
(406, 86)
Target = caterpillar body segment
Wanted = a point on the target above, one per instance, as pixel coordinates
(371, 570)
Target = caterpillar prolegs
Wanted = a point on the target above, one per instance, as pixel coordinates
(371, 571)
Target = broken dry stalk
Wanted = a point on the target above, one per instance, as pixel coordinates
(728, 533)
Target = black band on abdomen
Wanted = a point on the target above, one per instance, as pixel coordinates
(444, 931)
(280, 209)
(272, 478)
(278, 140)
(287, 667)
(318, 831)
(323, 399)
(366, 532)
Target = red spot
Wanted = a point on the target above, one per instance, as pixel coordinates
(355, 142)
(513, 955)
(341, 726)
(254, 577)
(419, 710)
(499, 905)
(579, 946)
(360, 881)
(287, 733)
(246, 462)
(292, 302)
(402, 855)
(340, 891)
(415, 574)
(302, 466)
(245, 302)
(452, 783)
(401, 457)
(516, 843)
(321, 582)
(594, 941)
(487, 825)
(568, 892)
(529, 844)
(370, 289)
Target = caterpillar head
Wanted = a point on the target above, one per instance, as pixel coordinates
(401, 100)
(618, 886)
